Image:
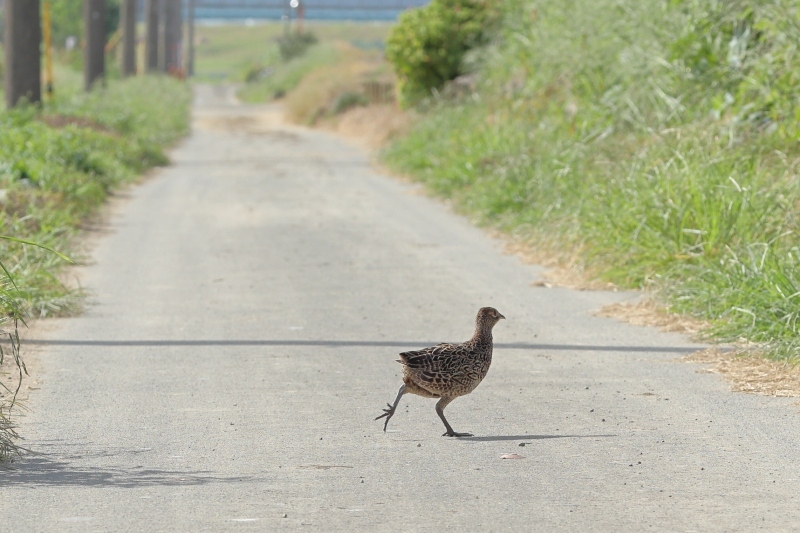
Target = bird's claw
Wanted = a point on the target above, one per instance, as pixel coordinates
(387, 413)
(455, 434)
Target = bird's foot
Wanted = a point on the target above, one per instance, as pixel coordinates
(456, 434)
(387, 413)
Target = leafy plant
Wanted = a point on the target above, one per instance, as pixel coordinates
(428, 44)
(295, 44)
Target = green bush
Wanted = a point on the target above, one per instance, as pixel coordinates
(293, 45)
(427, 46)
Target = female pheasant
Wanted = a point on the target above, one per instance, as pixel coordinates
(447, 371)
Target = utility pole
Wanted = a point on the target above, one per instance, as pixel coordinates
(128, 23)
(23, 35)
(48, 49)
(172, 36)
(162, 35)
(94, 62)
(151, 44)
(190, 39)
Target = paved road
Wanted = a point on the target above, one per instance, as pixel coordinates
(246, 311)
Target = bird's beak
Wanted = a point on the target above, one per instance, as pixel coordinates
(501, 316)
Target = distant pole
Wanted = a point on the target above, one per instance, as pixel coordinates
(48, 49)
(301, 14)
(172, 36)
(162, 35)
(190, 39)
(128, 23)
(23, 35)
(94, 62)
(151, 42)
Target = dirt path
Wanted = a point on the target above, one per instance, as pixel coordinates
(246, 312)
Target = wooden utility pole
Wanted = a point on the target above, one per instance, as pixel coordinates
(151, 43)
(48, 49)
(190, 39)
(173, 27)
(94, 55)
(23, 35)
(128, 23)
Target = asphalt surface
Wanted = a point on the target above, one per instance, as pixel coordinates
(247, 305)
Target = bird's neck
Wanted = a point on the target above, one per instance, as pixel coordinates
(483, 333)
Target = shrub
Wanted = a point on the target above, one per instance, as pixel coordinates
(427, 46)
(294, 45)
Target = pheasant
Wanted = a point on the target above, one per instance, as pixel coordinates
(447, 371)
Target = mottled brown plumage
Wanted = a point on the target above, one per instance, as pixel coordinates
(447, 371)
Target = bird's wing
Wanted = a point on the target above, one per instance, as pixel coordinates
(436, 357)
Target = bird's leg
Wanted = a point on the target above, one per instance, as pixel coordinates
(390, 411)
(440, 405)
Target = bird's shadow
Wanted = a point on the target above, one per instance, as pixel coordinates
(491, 438)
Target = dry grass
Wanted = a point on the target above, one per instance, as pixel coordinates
(315, 95)
(747, 371)
(565, 267)
(744, 367)
(648, 313)
(371, 126)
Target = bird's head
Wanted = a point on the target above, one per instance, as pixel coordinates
(488, 316)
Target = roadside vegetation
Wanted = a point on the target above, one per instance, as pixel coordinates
(319, 72)
(58, 163)
(653, 143)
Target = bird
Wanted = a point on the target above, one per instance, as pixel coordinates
(447, 371)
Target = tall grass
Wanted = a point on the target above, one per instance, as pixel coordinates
(655, 138)
(57, 165)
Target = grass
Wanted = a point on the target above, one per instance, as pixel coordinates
(276, 78)
(250, 54)
(651, 139)
(229, 52)
(332, 87)
(58, 163)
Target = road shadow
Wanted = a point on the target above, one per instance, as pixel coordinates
(36, 469)
(492, 438)
(354, 343)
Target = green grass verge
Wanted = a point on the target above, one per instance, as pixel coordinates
(657, 139)
(57, 166)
